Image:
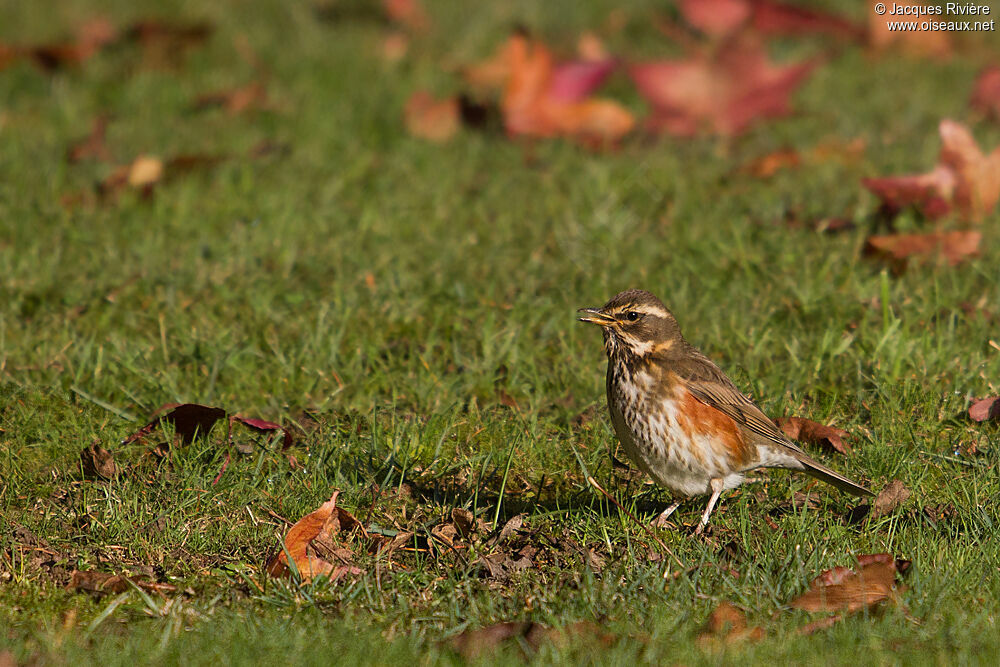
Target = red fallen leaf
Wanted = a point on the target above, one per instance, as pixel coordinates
(717, 18)
(264, 426)
(311, 543)
(408, 13)
(574, 81)
(530, 109)
(771, 17)
(926, 43)
(985, 408)
(724, 91)
(954, 246)
(814, 433)
(188, 419)
(235, 100)
(986, 94)
(844, 589)
(965, 180)
(93, 146)
(428, 118)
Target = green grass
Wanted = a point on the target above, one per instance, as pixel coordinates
(387, 287)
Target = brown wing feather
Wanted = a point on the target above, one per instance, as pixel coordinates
(709, 384)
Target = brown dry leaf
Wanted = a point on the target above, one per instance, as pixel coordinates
(97, 462)
(985, 408)
(954, 247)
(986, 94)
(965, 180)
(315, 540)
(465, 522)
(93, 145)
(92, 581)
(814, 433)
(727, 624)
(431, 119)
(844, 589)
(91, 37)
(165, 44)
(235, 100)
(925, 43)
(889, 499)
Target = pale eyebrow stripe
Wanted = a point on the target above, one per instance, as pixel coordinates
(645, 310)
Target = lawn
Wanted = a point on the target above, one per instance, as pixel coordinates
(406, 309)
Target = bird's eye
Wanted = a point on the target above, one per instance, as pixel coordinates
(631, 316)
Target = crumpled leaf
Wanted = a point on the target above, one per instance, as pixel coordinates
(954, 247)
(965, 180)
(728, 624)
(986, 93)
(844, 589)
(889, 499)
(722, 91)
(264, 426)
(923, 43)
(985, 408)
(431, 119)
(724, 18)
(315, 544)
(829, 437)
(97, 462)
(92, 581)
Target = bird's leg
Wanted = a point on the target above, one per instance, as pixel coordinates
(661, 521)
(718, 485)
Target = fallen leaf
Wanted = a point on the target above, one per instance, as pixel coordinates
(889, 499)
(164, 43)
(188, 419)
(954, 247)
(235, 100)
(394, 47)
(145, 171)
(97, 462)
(986, 94)
(531, 108)
(314, 541)
(770, 164)
(723, 91)
(543, 98)
(90, 38)
(965, 180)
(925, 43)
(465, 521)
(844, 589)
(727, 624)
(264, 426)
(985, 408)
(771, 17)
(431, 119)
(93, 145)
(814, 433)
(91, 581)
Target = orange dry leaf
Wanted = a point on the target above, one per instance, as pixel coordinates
(236, 100)
(814, 433)
(728, 624)
(428, 118)
(531, 106)
(844, 589)
(927, 43)
(408, 13)
(965, 180)
(723, 91)
(314, 544)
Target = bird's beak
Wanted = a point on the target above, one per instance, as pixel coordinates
(595, 316)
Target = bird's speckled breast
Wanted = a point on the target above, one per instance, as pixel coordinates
(660, 439)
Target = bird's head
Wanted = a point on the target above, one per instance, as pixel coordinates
(635, 324)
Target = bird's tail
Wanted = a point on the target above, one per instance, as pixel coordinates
(820, 471)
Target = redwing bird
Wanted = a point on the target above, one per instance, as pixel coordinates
(679, 417)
